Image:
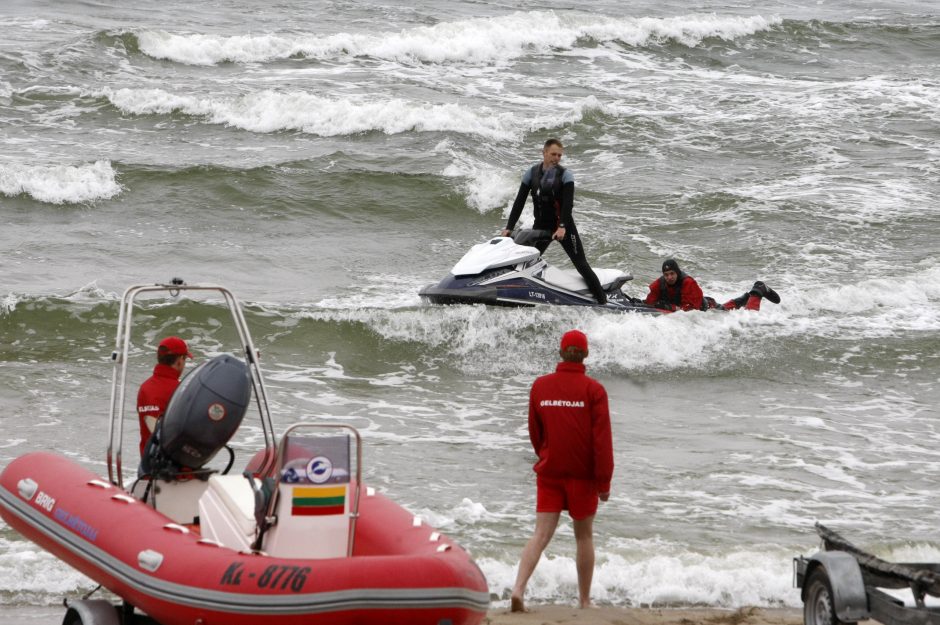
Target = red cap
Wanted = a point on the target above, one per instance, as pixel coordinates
(174, 345)
(574, 338)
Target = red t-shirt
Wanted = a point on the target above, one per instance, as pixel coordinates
(153, 397)
(569, 426)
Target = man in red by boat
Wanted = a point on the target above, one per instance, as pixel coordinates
(569, 426)
(155, 392)
(675, 290)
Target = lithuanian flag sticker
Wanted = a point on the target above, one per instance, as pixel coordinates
(318, 500)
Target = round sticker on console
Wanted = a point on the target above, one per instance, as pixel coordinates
(319, 470)
(216, 412)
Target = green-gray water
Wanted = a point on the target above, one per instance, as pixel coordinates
(325, 160)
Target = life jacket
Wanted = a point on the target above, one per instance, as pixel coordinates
(546, 196)
(673, 295)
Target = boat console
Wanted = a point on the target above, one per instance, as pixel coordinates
(310, 510)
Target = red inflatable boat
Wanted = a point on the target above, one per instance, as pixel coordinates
(293, 540)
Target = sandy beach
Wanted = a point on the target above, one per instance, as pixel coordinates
(31, 615)
(537, 615)
(554, 614)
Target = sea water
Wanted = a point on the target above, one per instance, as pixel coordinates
(325, 160)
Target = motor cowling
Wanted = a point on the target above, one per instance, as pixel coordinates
(205, 411)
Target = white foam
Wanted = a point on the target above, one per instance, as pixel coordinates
(32, 574)
(60, 184)
(911, 552)
(619, 341)
(475, 41)
(636, 342)
(467, 512)
(8, 304)
(862, 202)
(656, 577)
(484, 185)
(199, 49)
(385, 291)
(271, 111)
(467, 333)
(873, 307)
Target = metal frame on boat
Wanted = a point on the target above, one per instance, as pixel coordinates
(120, 357)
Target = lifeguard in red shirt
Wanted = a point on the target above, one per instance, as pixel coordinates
(569, 426)
(155, 392)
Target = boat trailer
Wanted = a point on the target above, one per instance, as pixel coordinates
(844, 584)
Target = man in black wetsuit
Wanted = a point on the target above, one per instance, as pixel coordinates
(552, 189)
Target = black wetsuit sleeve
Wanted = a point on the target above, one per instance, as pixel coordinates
(567, 204)
(518, 205)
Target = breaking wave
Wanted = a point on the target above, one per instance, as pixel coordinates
(471, 41)
(60, 184)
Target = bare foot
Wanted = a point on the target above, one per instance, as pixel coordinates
(516, 605)
(587, 605)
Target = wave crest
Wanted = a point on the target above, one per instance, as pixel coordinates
(272, 111)
(471, 41)
(60, 184)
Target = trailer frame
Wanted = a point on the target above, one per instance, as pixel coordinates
(844, 584)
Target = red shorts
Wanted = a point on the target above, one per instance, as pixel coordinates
(578, 497)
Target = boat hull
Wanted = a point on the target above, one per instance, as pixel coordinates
(400, 572)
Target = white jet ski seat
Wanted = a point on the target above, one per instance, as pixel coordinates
(571, 280)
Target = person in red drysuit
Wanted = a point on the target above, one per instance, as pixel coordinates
(155, 392)
(569, 426)
(676, 290)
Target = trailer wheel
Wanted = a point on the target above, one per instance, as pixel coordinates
(91, 612)
(73, 618)
(819, 607)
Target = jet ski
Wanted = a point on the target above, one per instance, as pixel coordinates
(507, 271)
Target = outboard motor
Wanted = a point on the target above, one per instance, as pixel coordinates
(203, 414)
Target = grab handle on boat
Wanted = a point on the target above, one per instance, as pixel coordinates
(260, 500)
